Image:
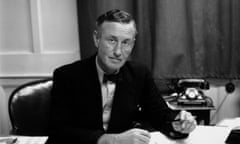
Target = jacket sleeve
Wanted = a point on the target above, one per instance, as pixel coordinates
(63, 126)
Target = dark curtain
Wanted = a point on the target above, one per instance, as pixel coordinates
(177, 38)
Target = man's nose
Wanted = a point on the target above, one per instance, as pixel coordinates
(118, 50)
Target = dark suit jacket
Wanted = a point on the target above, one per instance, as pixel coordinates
(77, 102)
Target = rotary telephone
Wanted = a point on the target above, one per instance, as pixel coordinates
(190, 92)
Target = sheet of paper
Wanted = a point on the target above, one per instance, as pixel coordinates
(201, 135)
(233, 123)
(7, 140)
(23, 140)
(159, 138)
(208, 135)
(31, 140)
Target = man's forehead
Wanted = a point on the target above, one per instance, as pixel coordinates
(118, 28)
(118, 25)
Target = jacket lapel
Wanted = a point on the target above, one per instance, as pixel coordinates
(124, 102)
(95, 93)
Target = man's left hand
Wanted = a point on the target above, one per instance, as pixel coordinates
(185, 122)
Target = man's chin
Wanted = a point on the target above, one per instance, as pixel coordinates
(115, 68)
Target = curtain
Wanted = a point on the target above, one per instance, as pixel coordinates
(177, 38)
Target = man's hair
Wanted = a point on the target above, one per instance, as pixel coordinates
(115, 15)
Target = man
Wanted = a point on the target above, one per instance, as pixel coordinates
(106, 99)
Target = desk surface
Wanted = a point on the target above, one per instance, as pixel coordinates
(201, 135)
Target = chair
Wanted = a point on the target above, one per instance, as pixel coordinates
(29, 106)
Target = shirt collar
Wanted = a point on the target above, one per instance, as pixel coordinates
(100, 71)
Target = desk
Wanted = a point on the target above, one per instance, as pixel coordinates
(201, 135)
(202, 113)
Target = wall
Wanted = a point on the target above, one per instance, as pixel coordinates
(36, 36)
(227, 105)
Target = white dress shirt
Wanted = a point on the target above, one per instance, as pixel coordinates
(108, 90)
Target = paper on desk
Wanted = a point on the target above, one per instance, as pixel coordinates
(233, 123)
(208, 135)
(7, 140)
(201, 135)
(24, 139)
(32, 140)
(159, 138)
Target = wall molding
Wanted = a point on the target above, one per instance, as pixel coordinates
(12, 81)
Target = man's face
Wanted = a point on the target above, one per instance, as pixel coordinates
(115, 42)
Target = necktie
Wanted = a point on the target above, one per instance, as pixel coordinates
(110, 77)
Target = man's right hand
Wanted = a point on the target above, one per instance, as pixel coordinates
(132, 136)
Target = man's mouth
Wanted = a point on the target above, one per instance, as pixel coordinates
(115, 59)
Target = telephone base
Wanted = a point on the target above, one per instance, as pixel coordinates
(192, 102)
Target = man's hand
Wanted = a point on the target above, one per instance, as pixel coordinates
(185, 123)
(132, 136)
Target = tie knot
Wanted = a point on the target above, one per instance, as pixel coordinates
(110, 77)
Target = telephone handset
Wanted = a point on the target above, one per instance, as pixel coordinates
(190, 91)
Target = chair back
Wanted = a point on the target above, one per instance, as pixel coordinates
(29, 107)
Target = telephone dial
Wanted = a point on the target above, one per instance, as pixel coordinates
(190, 92)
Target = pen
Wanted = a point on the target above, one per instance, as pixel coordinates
(179, 120)
(14, 141)
(176, 120)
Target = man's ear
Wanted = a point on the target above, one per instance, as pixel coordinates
(96, 38)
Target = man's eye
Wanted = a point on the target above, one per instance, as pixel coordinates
(111, 41)
(126, 43)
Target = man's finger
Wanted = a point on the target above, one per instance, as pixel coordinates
(188, 126)
(144, 139)
(182, 115)
(143, 136)
(144, 133)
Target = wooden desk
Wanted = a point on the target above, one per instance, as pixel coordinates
(202, 113)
